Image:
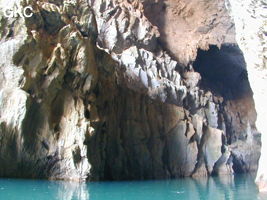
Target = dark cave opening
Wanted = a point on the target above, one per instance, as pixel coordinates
(223, 71)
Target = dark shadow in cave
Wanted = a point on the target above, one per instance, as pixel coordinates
(155, 12)
(223, 71)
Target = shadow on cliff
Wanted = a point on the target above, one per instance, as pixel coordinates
(14, 159)
(155, 11)
(8, 150)
(22, 153)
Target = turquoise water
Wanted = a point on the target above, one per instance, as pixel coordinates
(225, 188)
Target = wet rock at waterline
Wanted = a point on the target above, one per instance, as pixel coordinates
(100, 90)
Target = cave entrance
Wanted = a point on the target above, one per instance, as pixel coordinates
(223, 71)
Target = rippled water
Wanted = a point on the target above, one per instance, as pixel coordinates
(224, 188)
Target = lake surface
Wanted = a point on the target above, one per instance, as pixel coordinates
(224, 188)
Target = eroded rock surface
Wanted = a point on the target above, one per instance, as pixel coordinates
(102, 90)
(251, 25)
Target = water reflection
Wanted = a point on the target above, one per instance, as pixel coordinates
(19, 189)
(72, 190)
(219, 188)
(223, 188)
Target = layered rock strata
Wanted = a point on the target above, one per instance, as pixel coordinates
(103, 90)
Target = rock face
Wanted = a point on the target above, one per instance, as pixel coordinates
(251, 25)
(103, 90)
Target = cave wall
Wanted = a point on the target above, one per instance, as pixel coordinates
(98, 90)
(250, 20)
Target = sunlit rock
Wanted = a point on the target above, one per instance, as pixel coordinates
(251, 24)
(116, 90)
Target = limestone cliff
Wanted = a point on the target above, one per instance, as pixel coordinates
(251, 23)
(115, 90)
